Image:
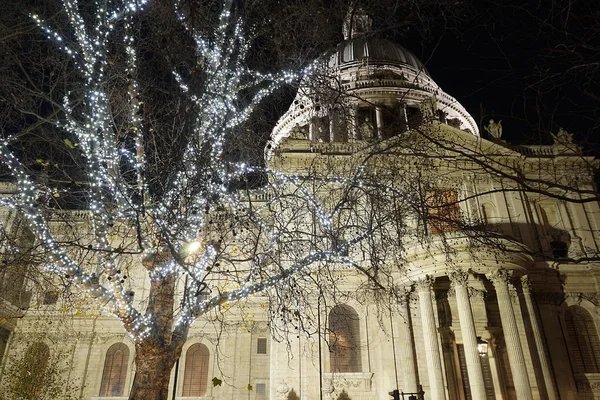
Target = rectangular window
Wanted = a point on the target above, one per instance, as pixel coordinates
(442, 211)
(261, 346)
(261, 391)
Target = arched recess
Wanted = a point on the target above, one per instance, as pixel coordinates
(584, 343)
(115, 371)
(36, 360)
(344, 340)
(195, 379)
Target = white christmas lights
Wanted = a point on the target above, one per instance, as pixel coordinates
(166, 219)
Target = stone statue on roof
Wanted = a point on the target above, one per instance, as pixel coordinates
(562, 137)
(428, 107)
(494, 129)
(367, 129)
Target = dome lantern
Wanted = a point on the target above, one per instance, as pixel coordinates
(356, 24)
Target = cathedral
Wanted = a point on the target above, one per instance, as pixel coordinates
(494, 274)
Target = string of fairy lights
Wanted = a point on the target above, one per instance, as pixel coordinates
(89, 120)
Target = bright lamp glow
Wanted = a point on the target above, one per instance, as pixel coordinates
(193, 247)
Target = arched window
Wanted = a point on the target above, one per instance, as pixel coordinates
(195, 379)
(344, 340)
(583, 339)
(115, 371)
(36, 362)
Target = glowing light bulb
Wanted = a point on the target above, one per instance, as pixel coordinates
(193, 247)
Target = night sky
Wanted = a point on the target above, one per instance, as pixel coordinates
(494, 66)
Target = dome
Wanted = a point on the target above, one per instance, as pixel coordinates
(374, 51)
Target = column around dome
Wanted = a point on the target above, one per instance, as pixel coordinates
(379, 117)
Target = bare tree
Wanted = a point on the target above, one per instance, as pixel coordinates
(159, 174)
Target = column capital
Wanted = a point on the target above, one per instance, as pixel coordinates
(458, 277)
(424, 284)
(500, 276)
(526, 284)
(476, 293)
(512, 290)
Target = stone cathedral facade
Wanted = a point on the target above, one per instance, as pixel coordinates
(486, 322)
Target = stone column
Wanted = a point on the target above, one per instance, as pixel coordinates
(432, 348)
(407, 349)
(537, 336)
(353, 123)
(379, 120)
(402, 119)
(312, 130)
(333, 125)
(459, 281)
(511, 335)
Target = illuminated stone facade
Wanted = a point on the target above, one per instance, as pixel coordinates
(474, 321)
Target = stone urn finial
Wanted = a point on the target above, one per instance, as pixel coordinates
(282, 390)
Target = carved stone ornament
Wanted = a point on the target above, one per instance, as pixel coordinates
(562, 137)
(595, 386)
(593, 298)
(261, 327)
(512, 290)
(328, 386)
(352, 381)
(526, 284)
(476, 293)
(424, 284)
(458, 278)
(500, 276)
(282, 390)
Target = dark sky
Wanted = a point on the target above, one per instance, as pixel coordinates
(498, 64)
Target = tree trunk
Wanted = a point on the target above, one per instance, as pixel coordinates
(156, 354)
(153, 366)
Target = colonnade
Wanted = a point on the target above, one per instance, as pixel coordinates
(356, 128)
(459, 281)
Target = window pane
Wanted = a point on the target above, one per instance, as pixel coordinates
(261, 346)
(261, 391)
(344, 340)
(195, 379)
(115, 371)
(583, 340)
